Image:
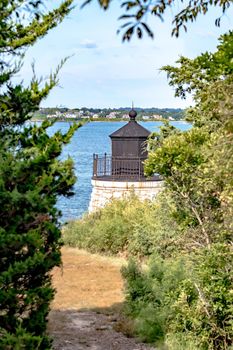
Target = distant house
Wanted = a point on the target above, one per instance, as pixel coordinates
(69, 116)
(157, 116)
(111, 115)
(85, 117)
(51, 116)
(145, 117)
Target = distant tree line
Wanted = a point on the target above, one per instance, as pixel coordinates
(175, 113)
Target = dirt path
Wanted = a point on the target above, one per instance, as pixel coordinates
(85, 312)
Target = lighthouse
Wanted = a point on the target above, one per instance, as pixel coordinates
(121, 173)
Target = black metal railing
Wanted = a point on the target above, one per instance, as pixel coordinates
(119, 168)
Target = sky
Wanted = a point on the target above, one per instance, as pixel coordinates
(104, 72)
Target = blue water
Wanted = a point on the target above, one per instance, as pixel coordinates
(90, 138)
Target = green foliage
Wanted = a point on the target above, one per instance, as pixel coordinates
(196, 166)
(105, 231)
(126, 226)
(197, 184)
(208, 78)
(136, 14)
(186, 299)
(31, 179)
(20, 339)
(150, 295)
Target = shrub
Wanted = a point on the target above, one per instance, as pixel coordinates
(183, 302)
(150, 295)
(127, 226)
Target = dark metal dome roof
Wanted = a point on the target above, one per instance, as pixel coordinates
(131, 129)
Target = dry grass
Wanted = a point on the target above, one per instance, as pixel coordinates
(87, 281)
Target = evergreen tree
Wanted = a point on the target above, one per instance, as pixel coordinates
(31, 179)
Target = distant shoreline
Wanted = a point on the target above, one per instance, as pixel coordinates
(104, 121)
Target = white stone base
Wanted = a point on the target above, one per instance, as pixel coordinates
(104, 191)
